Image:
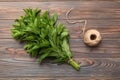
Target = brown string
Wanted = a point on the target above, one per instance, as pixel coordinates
(76, 21)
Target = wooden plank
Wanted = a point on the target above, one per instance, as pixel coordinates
(25, 66)
(22, 66)
(79, 52)
(49, 0)
(90, 10)
(98, 24)
(36, 0)
(109, 29)
(61, 78)
(111, 24)
(77, 46)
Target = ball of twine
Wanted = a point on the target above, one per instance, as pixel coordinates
(92, 37)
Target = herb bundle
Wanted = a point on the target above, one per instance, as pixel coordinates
(43, 37)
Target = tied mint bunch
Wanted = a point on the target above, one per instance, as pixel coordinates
(43, 37)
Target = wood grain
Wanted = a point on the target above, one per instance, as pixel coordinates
(88, 10)
(50, 0)
(30, 67)
(61, 78)
(98, 63)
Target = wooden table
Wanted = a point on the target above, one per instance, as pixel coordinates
(98, 63)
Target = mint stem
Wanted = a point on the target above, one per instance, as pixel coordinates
(74, 64)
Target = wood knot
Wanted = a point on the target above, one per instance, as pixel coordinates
(16, 51)
(84, 62)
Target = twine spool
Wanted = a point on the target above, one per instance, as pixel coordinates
(92, 37)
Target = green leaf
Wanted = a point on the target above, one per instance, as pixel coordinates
(42, 57)
(29, 38)
(60, 28)
(64, 34)
(16, 24)
(65, 48)
(35, 22)
(37, 12)
(54, 19)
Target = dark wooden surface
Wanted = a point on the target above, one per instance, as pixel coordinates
(50, 0)
(99, 63)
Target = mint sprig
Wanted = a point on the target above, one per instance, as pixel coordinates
(43, 37)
